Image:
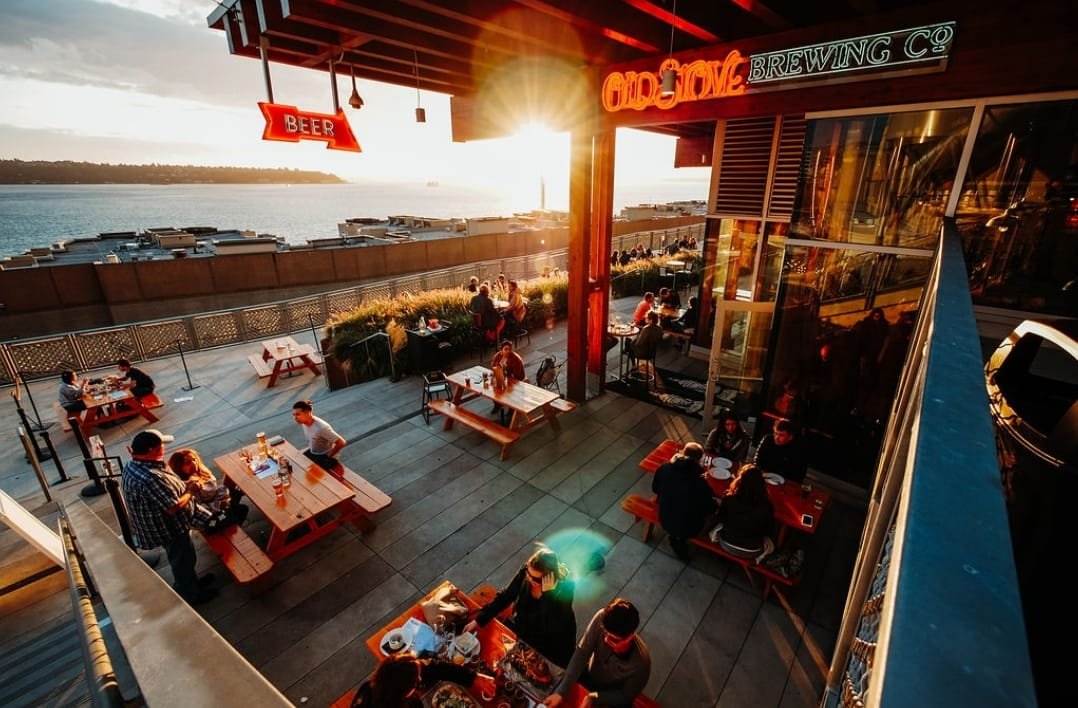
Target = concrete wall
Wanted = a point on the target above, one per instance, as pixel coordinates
(46, 300)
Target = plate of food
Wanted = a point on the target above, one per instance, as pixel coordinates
(449, 695)
(772, 478)
(720, 472)
(531, 670)
(400, 639)
(722, 463)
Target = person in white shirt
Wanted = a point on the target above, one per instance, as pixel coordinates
(323, 442)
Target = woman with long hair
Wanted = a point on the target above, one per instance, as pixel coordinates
(746, 513)
(541, 595)
(186, 464)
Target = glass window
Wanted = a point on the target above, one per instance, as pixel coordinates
(881, 179)
(1018, 212)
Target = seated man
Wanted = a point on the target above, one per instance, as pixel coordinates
(483, 306)
(72, 389)
(646, 343)
(642, 309)
(322, 440)
(669, 298)
(689, 318)
(782, 452)
(134, 378)
(611, 660)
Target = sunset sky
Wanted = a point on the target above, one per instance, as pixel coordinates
(142, 81)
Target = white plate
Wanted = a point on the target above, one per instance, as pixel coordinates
(722, 463)
(772, 478)
(406, 633)
(473, 652)
(720, 473)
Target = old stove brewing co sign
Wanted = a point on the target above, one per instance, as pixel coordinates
(915, 50)
(290, 125)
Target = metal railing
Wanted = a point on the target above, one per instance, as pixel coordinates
(933, 616)
(47, 356)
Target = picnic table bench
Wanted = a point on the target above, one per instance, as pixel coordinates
(492, 429)
(647, 510)
(238, 552)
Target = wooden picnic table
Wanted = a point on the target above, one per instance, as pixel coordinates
(288, 356)
(789, 499)
(304, 505)
(112, 405)
(531, 404)
(493, 639)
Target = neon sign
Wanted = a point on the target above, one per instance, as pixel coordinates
(913, 50)
(697, 81)
(289, 124)
(917, 45)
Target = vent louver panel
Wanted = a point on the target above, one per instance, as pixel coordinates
(780, 205)
(746, 155)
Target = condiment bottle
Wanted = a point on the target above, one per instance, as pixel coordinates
(263, 448)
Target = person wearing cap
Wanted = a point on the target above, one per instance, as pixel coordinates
(323, 442)
(611, 660)
(163, 512)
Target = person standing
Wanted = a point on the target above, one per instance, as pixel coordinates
(541, 595)
(323, 442)
(135, 379)
(163, 513)
(685, 500)
(611, 660)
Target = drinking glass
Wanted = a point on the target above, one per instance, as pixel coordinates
(278, 487)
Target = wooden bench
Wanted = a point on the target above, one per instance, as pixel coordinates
(151, 400)
(368, 497)
(238, 552)
(262, 368)
(647, 510)
(562, 405)
(493, 430)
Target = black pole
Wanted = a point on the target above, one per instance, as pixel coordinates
(55, 458)
(33, 406)
(190, 386)
(94, 489)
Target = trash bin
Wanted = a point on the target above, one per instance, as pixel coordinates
(428, 352)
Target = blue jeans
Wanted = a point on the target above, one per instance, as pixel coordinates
(181, 558)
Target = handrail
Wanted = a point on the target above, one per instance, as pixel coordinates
(100, 678)
(933, 616)
(389, 345)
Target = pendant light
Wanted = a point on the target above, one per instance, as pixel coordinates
(669, 75)
(355, 101)
(420, 112)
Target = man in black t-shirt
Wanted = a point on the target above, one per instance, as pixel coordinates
(135, 379)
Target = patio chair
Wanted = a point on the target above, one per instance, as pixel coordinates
(483, 337)
(434, 386)
(547, 374)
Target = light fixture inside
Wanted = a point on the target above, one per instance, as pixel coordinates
(669, 82)
(420, 112)
(355, 100)
(669, 75)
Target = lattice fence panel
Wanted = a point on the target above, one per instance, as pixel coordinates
(411, 285)
(263, 321)
(442, 280)
(372, 292)
(44, 357)
(217, 329)
(301, 313)
(343, 301)
(103, 347)
(160, 338)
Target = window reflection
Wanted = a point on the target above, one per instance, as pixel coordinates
(881, 180)
(1018, 213)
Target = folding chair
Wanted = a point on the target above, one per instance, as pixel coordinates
(434, 386)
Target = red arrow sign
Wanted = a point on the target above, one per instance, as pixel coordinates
(290, 125)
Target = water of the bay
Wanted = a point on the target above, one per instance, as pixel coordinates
(39, 215)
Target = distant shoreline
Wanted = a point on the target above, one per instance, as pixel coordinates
(23, 172)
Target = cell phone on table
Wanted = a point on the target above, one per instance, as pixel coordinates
(275, 440)
(807, 520)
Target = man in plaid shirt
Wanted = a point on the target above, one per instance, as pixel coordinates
(162, 513)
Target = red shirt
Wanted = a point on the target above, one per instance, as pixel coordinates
(512, 365)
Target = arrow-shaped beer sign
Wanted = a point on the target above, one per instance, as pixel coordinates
(290, 125)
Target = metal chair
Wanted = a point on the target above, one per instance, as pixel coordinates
(547, 374)
(434, 386)
(483, 337)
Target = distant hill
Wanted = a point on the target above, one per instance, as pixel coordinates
(36, 172)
